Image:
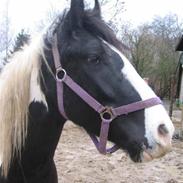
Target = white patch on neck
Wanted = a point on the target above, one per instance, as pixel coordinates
(154, 116)
(36, 95)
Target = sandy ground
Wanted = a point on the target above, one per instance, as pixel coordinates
(78, 161)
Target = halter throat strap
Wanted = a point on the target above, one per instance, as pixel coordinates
(107, 114)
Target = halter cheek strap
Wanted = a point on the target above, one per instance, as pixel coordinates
(107, 114)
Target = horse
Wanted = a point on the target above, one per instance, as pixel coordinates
(75, 70)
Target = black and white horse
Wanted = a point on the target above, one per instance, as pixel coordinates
(88, 51)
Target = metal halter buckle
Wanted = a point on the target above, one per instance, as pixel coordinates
(107, 115)
(60, 74)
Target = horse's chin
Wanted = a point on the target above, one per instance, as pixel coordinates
(158, 152)
(146, 157)
(149, 154)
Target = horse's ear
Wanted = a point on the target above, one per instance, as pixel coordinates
(76, 13)
(97, 10)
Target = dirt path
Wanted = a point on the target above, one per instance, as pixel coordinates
(78, 161)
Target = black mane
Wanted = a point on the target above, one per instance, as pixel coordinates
(91, 23)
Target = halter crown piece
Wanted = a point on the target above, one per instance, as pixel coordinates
(107, 114)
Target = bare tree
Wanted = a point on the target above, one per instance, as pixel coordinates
(141, 43)
(5, 37)
(50, 15)
(153, 52)
(167, 31)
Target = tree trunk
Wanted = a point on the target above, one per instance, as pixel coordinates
(172, 94)
(181, 130)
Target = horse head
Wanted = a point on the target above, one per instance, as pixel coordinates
(91, 55)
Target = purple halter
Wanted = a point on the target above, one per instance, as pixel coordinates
(107, 114)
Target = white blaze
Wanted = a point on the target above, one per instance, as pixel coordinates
(154, 116)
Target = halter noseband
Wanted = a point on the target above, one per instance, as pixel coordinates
(107, 114)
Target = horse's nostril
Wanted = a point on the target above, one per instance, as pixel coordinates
(162, 129)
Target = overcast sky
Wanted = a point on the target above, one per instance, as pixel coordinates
(139, 11)
(25, 13)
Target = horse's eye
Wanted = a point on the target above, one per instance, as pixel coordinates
(94, 60)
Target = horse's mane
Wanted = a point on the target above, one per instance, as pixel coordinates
(15, 78)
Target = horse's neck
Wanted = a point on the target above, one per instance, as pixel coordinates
(45, 122)
(44, 173)
(44, 133)
(37, 156)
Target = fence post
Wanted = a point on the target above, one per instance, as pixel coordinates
(181, 129)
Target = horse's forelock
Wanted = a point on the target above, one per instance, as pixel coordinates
(91, 22)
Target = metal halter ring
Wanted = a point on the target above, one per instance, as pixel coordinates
(107, 115)
(61, 74)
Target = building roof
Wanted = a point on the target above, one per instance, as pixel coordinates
(179, 46)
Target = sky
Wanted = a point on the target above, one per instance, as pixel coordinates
(27, 13)
(139, 11)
